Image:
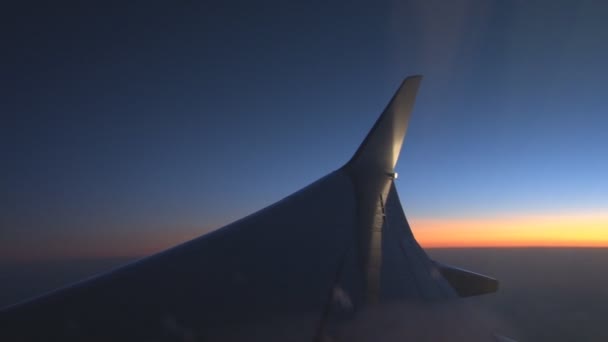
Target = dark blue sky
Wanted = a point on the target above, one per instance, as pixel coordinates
(127, 128)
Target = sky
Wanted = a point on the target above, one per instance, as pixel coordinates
(129, 128)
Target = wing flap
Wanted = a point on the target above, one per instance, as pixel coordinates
(467, 283)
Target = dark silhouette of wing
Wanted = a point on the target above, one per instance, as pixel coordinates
(301, 269)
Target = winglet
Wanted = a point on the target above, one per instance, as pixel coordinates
(380, 149)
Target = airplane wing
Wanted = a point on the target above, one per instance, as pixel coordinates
(319, 265)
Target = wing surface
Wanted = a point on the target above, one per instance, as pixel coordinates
(298, 270)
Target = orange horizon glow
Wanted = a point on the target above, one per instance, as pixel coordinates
(130, 245)
(561, 230)
(548, 230)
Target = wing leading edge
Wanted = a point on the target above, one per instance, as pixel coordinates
(300, 269)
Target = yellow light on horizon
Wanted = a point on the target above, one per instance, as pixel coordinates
(577, 230)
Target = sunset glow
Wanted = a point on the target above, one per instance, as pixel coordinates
(572, 230)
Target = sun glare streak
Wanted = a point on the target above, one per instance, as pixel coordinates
(572, 230)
